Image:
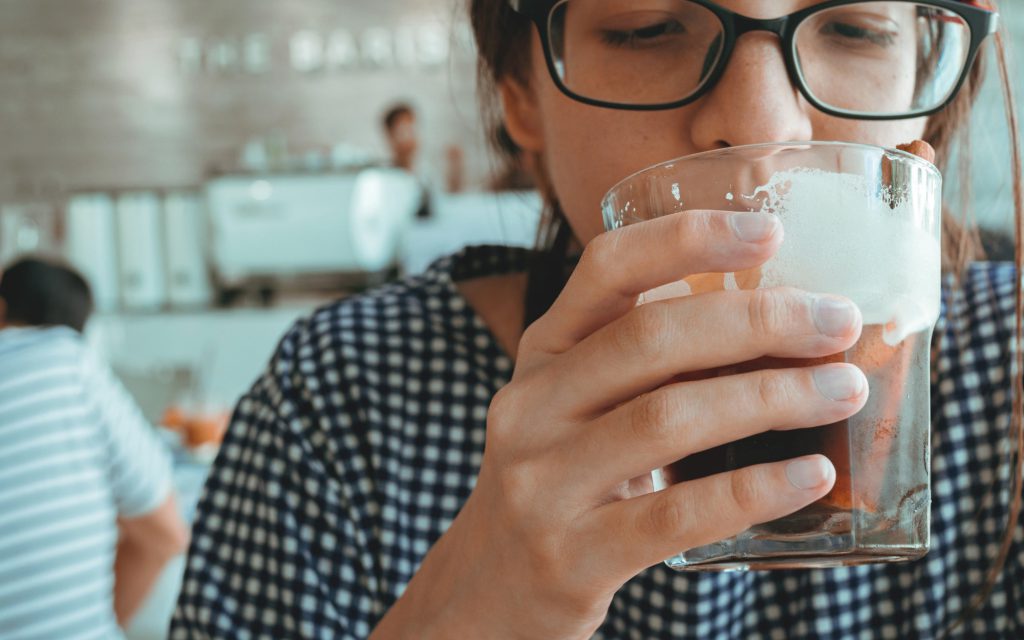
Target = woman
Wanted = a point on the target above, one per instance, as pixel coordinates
(354, 496)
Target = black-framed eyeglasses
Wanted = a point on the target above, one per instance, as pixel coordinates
(864, 59)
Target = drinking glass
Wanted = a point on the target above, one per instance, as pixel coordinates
(859, 221)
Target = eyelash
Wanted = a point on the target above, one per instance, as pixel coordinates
(630, 37)
(882, 39)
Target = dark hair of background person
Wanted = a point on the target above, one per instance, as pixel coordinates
(503, 44)
(40, 293)
(395, 112)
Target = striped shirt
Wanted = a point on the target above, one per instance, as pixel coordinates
(75, 454)
(355, 451)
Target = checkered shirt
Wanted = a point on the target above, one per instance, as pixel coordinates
(354, 451)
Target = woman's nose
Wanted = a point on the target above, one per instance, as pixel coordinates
(754, 100)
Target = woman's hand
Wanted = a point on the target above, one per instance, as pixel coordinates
(563, 513)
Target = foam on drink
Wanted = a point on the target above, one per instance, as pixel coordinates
(845, 236)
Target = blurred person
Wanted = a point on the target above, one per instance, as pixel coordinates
(87, 513)
(403, 142)
(402, 136)
(38, 293)
(402, 133)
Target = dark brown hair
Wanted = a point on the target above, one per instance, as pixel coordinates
(503, 43)
(42, 293)
(395, 112)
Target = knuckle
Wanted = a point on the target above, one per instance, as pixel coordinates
(772, 312)
(504, 413)
(529, 338)
(774, 389)
(666, 516)
(766, 312)
(502, 399)
(519, 482)
(745, 491)
(597, 256)
(698, 224)
(601, 262)
(651, 420)
(644, 331)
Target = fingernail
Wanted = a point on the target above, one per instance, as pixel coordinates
(839, 382)
(753, 227)
(808, 473)
(834, 317)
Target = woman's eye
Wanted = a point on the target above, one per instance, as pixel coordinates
(642, 35)
(857, 34)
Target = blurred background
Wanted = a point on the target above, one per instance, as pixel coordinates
(218, 168)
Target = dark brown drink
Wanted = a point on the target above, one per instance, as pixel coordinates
(873, 466)
(832, 440)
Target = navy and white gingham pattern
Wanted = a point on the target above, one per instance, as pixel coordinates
(355, 450)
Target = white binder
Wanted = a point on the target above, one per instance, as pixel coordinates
(141, 251)
(91, 247)
(188, 283)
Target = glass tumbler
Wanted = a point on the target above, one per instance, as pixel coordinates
(862, 222)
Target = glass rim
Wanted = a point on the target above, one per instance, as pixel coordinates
(793, 144)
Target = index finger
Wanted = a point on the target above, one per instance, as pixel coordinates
(619, 265)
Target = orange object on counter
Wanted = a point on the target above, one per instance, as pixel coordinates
(206, 429)
(174, 418)
(197, 428)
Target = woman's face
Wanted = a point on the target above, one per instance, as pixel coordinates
(588, 149)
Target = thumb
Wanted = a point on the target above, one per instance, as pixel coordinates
(919, 148)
